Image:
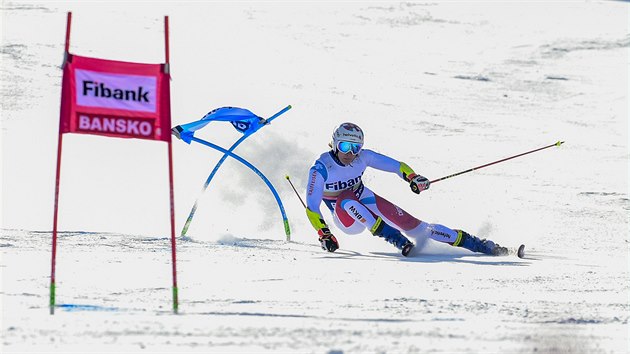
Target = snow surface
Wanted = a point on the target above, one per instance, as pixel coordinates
(441, 86)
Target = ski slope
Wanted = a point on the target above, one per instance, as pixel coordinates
(441, 86)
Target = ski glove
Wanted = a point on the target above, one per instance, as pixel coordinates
(328, 241)
(418, 183)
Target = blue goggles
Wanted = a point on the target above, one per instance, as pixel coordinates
(346, 147)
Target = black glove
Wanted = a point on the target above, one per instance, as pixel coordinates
(418, 183)
(328, 241)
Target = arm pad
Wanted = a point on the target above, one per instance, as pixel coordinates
(316, 219)
(406, 172)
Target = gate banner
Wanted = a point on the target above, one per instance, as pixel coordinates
(115, 98)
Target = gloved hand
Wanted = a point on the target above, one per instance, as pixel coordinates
(418, 183)
(328, 241)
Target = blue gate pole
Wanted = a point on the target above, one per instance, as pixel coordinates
(205, 185)
(285, 220)
(216, 168)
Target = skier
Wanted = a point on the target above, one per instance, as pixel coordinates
(335, 179)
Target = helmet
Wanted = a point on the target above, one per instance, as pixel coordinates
(349, 132)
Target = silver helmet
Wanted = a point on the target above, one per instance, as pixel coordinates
(347, 132)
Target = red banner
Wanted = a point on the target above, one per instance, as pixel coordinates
(115, 98)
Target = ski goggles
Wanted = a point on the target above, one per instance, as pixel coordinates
(346, 147)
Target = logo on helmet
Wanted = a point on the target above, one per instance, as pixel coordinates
(348, 132)
(351, 127)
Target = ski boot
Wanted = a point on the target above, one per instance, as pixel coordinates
(475, 244)
(393, 236)
(500, 251)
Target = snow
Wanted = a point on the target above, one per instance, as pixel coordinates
(442, 86)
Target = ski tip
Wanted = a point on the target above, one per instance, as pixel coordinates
(521, 251)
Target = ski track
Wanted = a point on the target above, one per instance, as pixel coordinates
(292, 296)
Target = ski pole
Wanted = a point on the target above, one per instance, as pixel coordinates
(295, 190)
(495, 162)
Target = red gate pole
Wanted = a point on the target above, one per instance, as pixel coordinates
(170, 177)
(57, 177)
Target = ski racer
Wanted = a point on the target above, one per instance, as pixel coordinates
(335, 179)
